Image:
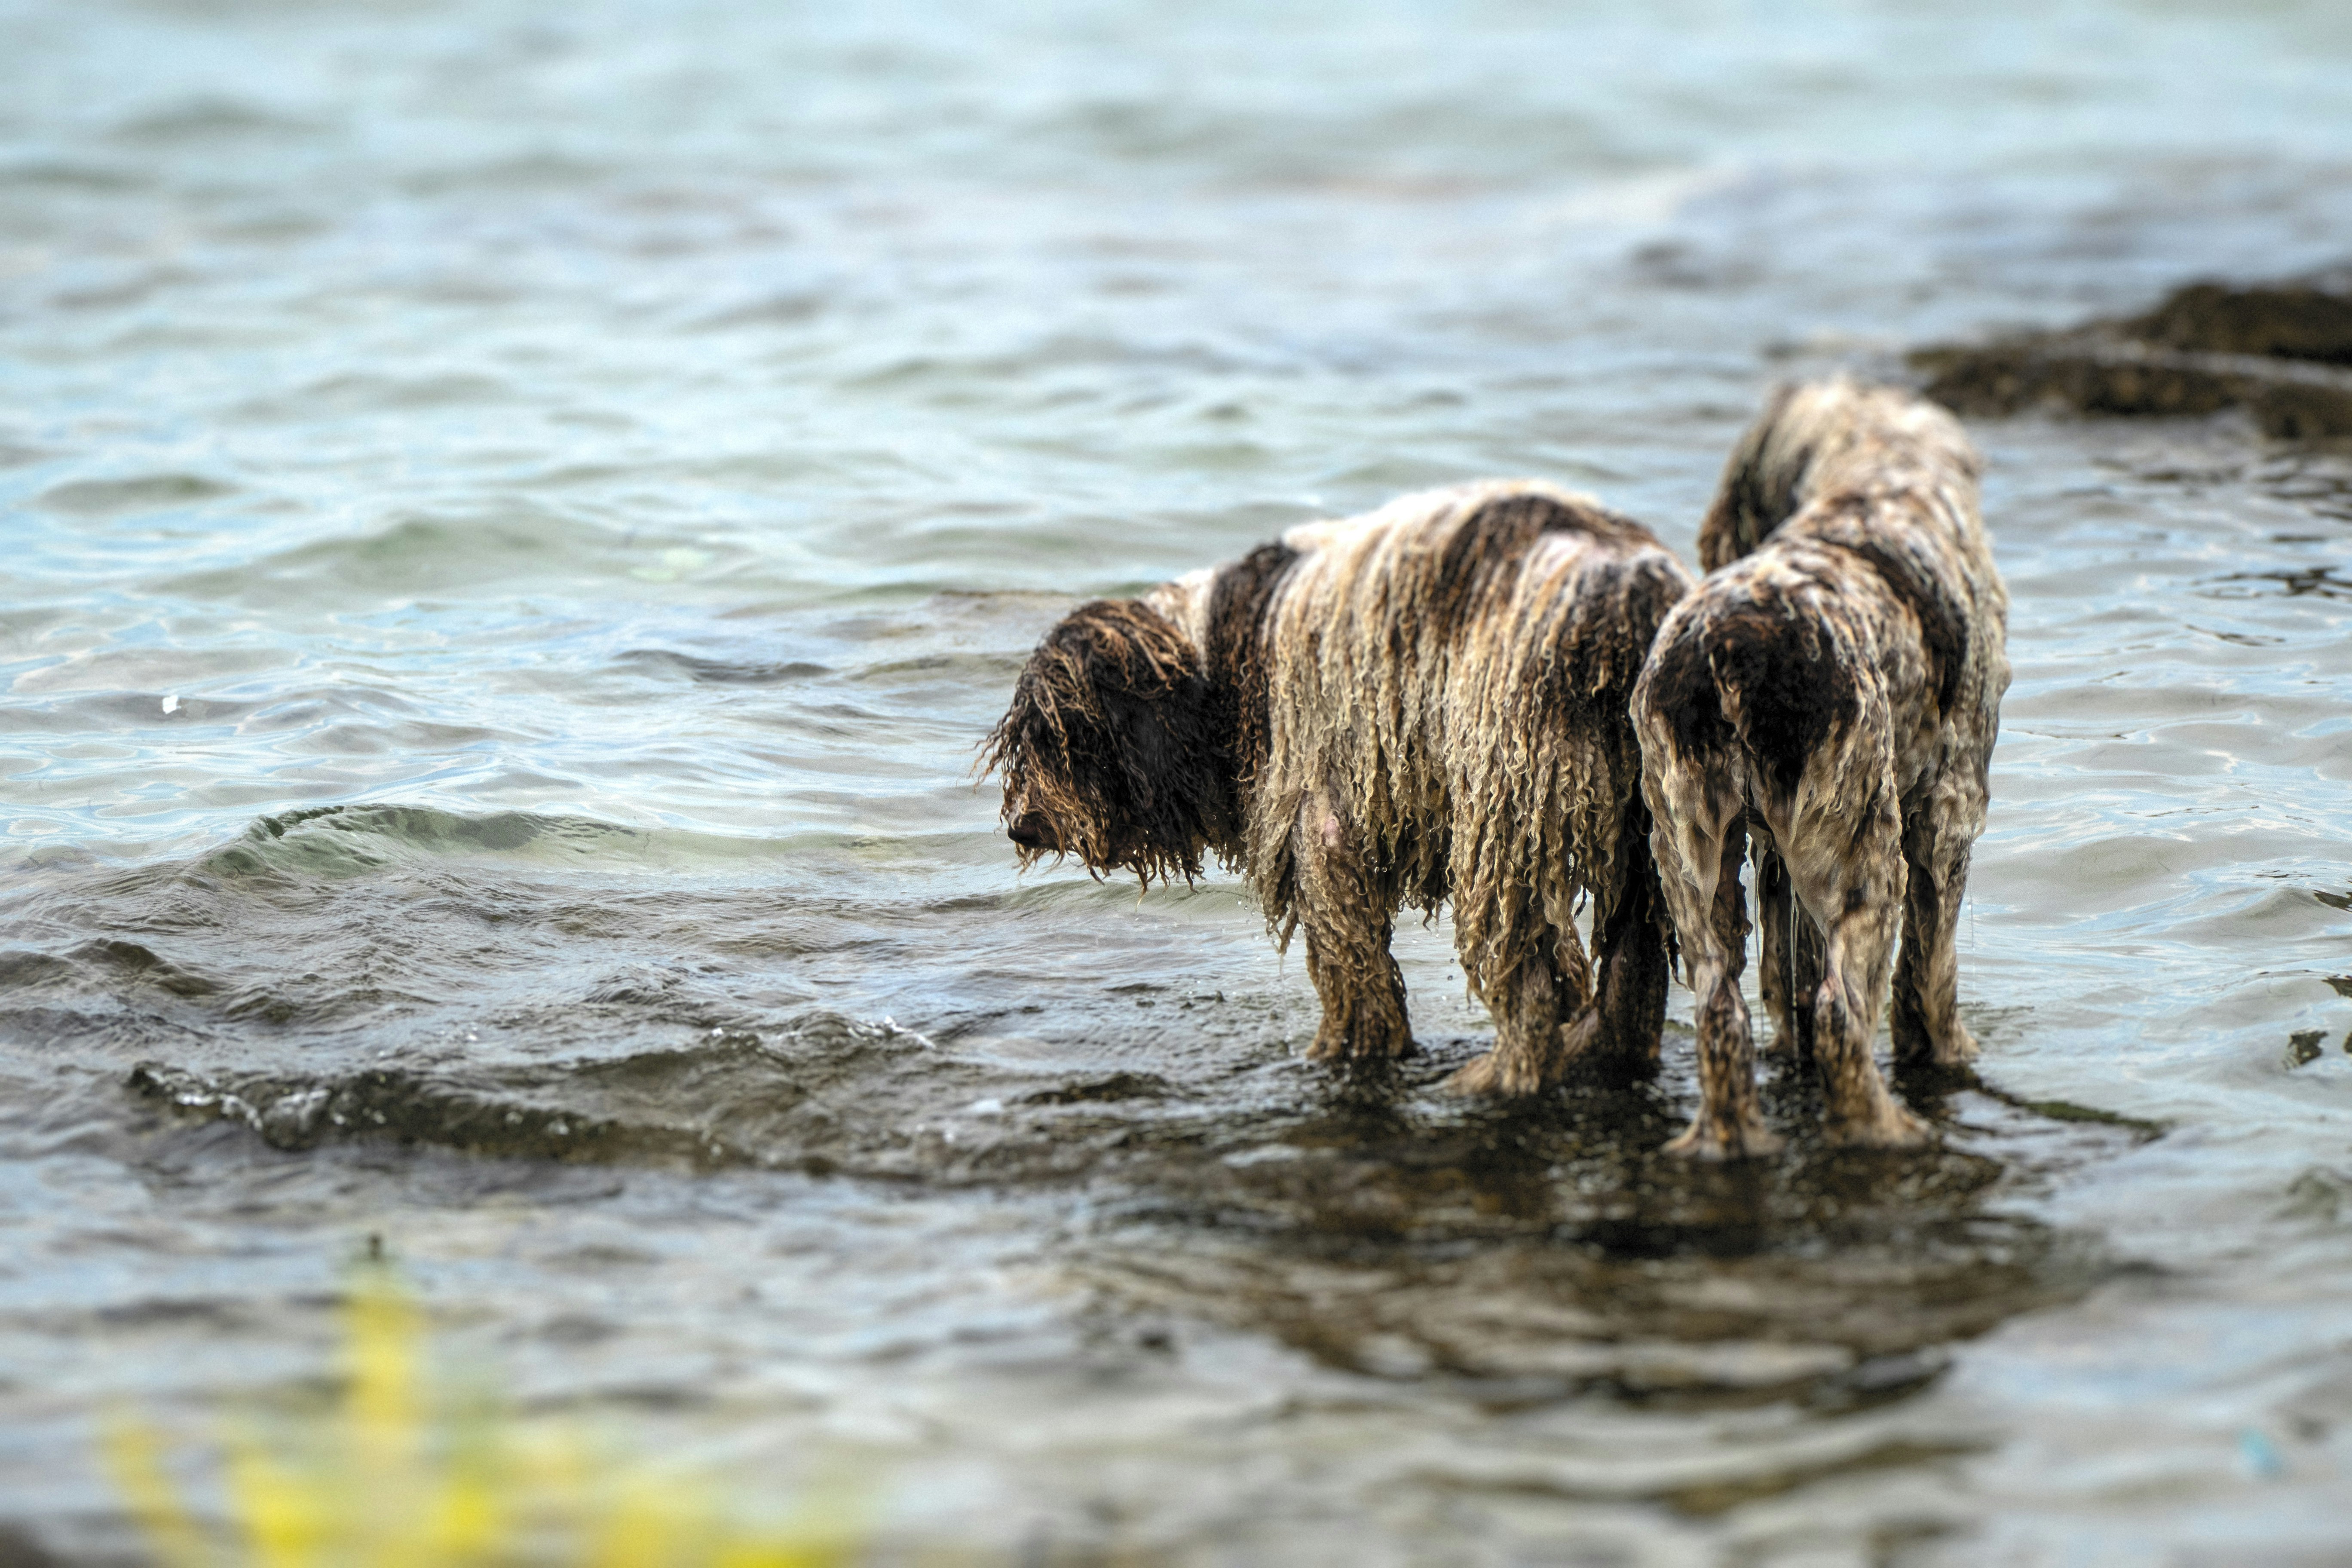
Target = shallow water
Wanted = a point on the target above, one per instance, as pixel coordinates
(516, 525)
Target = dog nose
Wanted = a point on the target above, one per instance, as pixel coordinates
(1032, 831)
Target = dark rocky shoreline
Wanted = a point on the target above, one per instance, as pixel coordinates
(2282, 350)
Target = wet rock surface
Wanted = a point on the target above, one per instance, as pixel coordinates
(2283, 351)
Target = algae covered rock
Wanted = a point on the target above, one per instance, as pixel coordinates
(2283, 351)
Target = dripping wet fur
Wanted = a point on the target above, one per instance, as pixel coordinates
(1826, 701)
(1424, 705)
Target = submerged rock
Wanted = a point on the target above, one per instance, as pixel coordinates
(2307, 321)
(2283, 351)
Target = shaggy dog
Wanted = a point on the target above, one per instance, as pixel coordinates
(1834, 686)
(1425, 703)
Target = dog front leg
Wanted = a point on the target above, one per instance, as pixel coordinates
(1349, 921)
(1712, 916)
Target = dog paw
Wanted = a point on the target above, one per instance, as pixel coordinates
(1491, 1075)
(1957, 1051)
(1361, 1046)
(1703, 1140)
(1518, 1069)
(1893, 1128)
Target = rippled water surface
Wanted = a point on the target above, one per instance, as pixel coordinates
(517, 517)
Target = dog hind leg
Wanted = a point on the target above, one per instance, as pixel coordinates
(1533, 1046)
(1925, 1011)
(1789, 960)
(1629, 949)
(1854, 881)
(1348, 920)
(1700, 873)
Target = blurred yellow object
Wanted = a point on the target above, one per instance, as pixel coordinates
(394, 1480)
(136, 1458)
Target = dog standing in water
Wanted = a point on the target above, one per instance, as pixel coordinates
(1834, 686)
(1426, 703)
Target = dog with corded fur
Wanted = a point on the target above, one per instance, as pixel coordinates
(1423, 704)
(1830, 690)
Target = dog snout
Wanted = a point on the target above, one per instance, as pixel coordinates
(1032, 831)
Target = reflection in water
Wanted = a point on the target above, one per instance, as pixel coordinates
(1561, 1253)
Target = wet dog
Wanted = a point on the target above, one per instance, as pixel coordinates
(1426, 703)
(1832, 687)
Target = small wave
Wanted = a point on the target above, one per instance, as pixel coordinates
(784, 310)
(74, 174)
(333, 841)
(455, 553)
(296, 1115)
(102, 711)
(374, 394)
(209, 121)
(526, 173)
(723, 672)
(23, 969)
(2326, 581)
(110, 959)
(137, 494)
(731, 1099)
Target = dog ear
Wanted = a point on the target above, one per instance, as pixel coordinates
(1110, 750)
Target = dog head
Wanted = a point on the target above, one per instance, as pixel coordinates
(1110, 750)
(1807, 440)
(1761, 483)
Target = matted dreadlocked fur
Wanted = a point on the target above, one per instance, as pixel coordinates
(1427, 703)
(1833, 687)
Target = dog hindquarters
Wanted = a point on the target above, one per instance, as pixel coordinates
(1349, 918)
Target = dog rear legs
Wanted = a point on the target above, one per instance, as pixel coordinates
(1700, 874)
(1629, 948)
(1925, 1017)
(1533, 1045)
(1851, 875)
(1348, 920)
(1560, 1010)
(1789, 964)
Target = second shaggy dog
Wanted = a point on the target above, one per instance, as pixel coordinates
(1426, 703)
(1835, 686)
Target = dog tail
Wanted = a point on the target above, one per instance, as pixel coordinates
(1762, 479)
(1754, 673)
